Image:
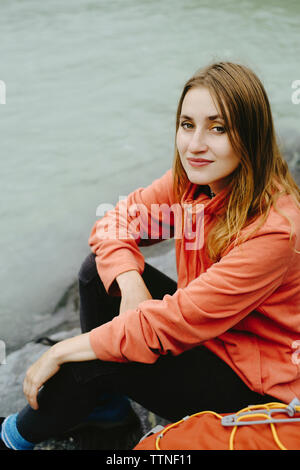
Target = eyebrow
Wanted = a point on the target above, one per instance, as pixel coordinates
(210, 118)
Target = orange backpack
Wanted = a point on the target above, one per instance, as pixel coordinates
(271, 426)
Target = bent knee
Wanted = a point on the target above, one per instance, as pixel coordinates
(88, 270)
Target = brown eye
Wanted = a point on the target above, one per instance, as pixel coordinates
(186, 125)
(219, 129)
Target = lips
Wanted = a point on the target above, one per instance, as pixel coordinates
(199, 160)
(196, 162)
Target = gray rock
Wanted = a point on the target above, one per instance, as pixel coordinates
(62, 324)
(12, 399)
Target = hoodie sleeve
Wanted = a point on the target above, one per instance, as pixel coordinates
(210, 305)
(143, 218)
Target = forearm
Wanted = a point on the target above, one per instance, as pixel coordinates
(79, 348)
(129, 279)
(74, 349)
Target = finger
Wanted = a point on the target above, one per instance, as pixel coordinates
(32, 397)
(26, 388)
(30, 391)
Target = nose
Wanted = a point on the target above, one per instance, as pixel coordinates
(197, 143)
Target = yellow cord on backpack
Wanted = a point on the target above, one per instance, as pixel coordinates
(256, 415)
(267, 407)
(167, 428)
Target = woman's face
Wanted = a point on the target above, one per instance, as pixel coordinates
(202, 141)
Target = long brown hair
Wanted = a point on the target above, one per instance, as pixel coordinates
(262, 174)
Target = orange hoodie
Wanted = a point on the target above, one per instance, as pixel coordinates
(245, 307)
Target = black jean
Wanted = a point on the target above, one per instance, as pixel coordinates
(172, 387)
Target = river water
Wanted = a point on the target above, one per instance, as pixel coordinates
(91, 93)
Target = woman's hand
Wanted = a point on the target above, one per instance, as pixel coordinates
(74, 349)
(41, 371)
(133, 290)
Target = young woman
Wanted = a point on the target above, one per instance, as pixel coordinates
(224, 336)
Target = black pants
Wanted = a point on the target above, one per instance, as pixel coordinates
(173, 387)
